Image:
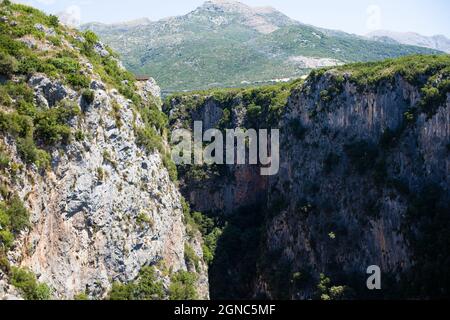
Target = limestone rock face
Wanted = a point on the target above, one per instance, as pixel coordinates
(352, 169)
(105, 209)
(48, 92)
(149, 89)
(340, 216)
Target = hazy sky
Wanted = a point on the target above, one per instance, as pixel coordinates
(427, 17)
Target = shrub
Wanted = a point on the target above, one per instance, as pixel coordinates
(328, 292)
(65, 64)
(6, 238)
(18, 214)
(101, 174)
(182, 286)
(5, 99)
(121, 292)
(4, 161)
(25, 281)
(88, 96)
(149, 139)
(31, 154)
(51, 124)
(145, 219)
(14, 217)
(78, 80)
(148, 287)
(116, 114)
(8, 64)
(153, 117)
(145, 287)
(20, 91)
(90, 37)
(56, 41)
(81, 297)
(191, 258)
(79, 136)
(170, 166)
(53, 21)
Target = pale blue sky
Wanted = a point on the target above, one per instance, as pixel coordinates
(427, 17)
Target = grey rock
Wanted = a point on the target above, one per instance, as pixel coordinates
(85, 231)
(97, 85)
(47, 31)
(48, 92)
(101, 50)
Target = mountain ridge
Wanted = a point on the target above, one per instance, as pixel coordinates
(229, 44)
(437, 42)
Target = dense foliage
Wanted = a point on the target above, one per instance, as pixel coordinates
(148, 287)
(264, 105)
(145, 287)
(14, 217)
(25, 281)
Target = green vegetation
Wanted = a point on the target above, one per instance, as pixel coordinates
(191, 258)
(150, 134)
(430, 72)
(28, 285)
(328, 292)
(144, 219)
(51, 125)
(148, 287)
(234, 54)
(36, 129)
(210, 228)
(33, 127)
(101, 174)
(14, 217)
(8, 64)
(4, 160)
(116, 114)
(182, 286)
(412, 68)
(264, 105)
(81, 297)
(238, 254)
(145, 287)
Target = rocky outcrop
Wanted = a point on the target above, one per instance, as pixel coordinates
(344, 212)
(47, 92)
(149, 89)
(364, 179)
(104, 210)
(86, 198)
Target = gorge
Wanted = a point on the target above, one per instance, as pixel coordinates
(93, 207)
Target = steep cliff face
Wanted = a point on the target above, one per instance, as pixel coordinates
(357, 183)
(364, 180)
(100, 200)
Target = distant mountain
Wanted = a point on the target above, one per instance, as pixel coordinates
(227, 43)
(438, 42)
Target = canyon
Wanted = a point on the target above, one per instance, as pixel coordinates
(93, 207)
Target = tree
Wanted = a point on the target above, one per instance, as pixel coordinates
(53, 20)
(183, 286)
(8, 64)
